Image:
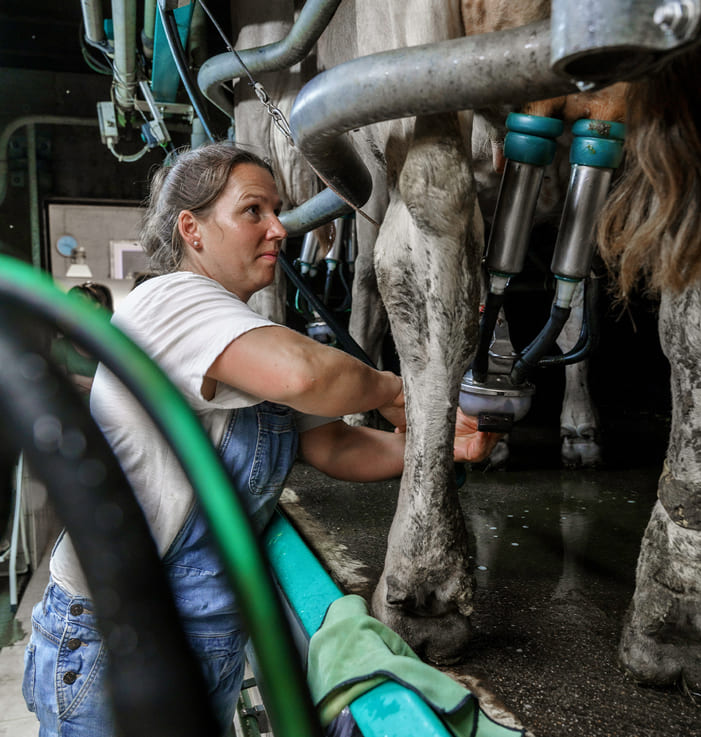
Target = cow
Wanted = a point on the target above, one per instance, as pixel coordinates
(650, 234)
(429, 242)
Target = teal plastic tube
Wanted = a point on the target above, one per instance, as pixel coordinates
(283, 684)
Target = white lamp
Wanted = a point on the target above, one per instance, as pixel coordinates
(79, 267)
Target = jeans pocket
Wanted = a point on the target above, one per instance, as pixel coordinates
(276, 449)
(29, 677)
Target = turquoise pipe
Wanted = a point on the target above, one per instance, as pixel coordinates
(287, 699)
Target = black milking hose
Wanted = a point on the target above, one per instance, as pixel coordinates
(344, 338)
(589, 333)
(155, 681)
(529, 358)
(480, 364)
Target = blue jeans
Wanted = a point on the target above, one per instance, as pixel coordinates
(64, 668)
(65, 658)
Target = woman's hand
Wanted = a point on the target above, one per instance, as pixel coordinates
(470, 444)
(394, 410)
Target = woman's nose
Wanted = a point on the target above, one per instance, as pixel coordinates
(276, 229)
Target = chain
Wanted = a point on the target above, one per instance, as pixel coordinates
(278, 116)
(275, 113)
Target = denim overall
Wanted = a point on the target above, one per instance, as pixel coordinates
(65, 658)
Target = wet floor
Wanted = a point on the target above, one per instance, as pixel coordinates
(554, 557)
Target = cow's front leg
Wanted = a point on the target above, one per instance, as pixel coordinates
(427, 259)
(661, 641)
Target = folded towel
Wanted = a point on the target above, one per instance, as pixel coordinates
(353, 652)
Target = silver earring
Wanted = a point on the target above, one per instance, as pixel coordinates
(195, 243)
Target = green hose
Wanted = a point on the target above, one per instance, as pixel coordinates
(283, 683)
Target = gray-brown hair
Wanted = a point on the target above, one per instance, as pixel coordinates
(194, 182)
(650, 230)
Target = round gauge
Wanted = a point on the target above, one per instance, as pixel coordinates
(66, 245)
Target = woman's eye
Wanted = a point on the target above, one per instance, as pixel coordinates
(253, 209)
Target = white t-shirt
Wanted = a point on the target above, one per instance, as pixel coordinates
(183, 321)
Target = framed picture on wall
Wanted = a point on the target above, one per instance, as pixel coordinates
(127, 258)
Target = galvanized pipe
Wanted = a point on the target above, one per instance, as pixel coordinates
(312, 20)
(124, 20)
(93, 21)
(605, 39)
(149, 29)
(464, 73)
(33, 195)
(30, 120)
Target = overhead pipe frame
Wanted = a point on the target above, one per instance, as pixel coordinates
(466, 73)
(93, 23)
(313, 18)
(511, 66)
(124, 21)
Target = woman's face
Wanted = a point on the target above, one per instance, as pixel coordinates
(239, 239)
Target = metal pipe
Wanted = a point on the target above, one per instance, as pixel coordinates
(33, 195)
(93, 22)
(604, 40)
(149, 29)
(316, 211)
(465, 73)
(13, 126)
(124, 20)
(313, 18)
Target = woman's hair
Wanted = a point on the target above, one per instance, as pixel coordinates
(101, 294)
(193, 181)
(650, 229)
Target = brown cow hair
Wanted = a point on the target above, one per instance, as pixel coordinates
(650, 230)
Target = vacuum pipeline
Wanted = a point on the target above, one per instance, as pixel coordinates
(124, 20)
(12, 127)
(459, 74)
(313, 19)
(92, 21)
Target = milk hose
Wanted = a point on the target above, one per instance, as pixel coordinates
(480, 364)
(283, 683)
(530, 357)
(588, 334)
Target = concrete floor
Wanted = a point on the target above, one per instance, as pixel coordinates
(554, 556)
(15, 720)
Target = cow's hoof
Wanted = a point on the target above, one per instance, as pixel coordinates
(579, 448)
(440, 639)
(661, 639)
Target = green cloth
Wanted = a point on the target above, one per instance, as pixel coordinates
(353, 652)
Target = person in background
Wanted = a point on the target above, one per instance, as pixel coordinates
(265, 394)
(78, 364)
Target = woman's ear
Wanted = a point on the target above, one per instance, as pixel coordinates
(189, 228)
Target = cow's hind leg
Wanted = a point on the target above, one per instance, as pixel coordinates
(579, 426)
(661, 641)
(427, 260)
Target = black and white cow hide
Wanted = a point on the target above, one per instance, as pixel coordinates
(430, 243)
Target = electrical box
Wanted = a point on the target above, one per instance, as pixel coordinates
(107, 118)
